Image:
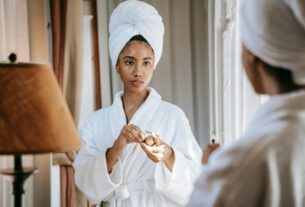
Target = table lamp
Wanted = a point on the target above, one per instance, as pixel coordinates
(34, 118)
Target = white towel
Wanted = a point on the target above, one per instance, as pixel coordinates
(132, 18)
(274, 30)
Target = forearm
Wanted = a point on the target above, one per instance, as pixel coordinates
(169, 162)
(112, 154)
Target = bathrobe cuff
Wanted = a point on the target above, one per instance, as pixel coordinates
(170, 183)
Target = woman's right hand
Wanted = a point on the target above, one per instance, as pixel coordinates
(130, 134)
(207, 151)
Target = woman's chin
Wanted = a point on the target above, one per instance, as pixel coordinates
(137, 89)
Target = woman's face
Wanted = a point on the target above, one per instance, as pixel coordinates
(135, 66)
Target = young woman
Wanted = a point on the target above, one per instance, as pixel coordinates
(266, 166)
(115, 166)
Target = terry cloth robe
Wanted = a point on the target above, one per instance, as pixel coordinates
(135, 180)
(266, 167)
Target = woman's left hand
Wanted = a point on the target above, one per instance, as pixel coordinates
(159, 152)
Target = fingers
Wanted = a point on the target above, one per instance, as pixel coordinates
(149, 141)
(208, 150)
(153, 152)
(152, 139)
(137, 132)
(157, 140)
(213, 146)
(132, 133)
(144, 147)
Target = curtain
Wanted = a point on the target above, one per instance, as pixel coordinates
(14, 37)
(66, 18)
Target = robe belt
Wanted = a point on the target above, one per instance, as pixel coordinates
(123, 191)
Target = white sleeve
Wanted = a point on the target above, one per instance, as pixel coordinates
(178, 184)
(230, 179)
(91, 175)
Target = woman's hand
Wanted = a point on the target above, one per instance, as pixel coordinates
(208, 150)
(129, 134)
(158, 151)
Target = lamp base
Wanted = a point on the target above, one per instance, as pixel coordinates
(19, 177)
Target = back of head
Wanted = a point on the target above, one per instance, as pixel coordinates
(274, 31)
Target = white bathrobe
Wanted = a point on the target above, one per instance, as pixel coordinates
(266, 167)
(135, 180)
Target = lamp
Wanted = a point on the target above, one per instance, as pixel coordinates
(34, 118)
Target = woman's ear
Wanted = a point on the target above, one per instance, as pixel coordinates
(250, 61)
(250, 57)
(251, 65)
(117, 68)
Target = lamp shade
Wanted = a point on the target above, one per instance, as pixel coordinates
(34, 117)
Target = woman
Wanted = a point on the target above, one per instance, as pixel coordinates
(266, 166)
(115, 166)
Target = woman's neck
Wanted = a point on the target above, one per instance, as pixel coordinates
(132, 101)
(272, 87)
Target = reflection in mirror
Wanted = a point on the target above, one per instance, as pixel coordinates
(180, 77)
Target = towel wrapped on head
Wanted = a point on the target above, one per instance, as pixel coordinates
(131, 18)
(274, 31)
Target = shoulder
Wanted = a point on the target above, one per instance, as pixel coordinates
(256, 146)
(171, 108)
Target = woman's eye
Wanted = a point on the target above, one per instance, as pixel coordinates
(147, 63)
(128, 62)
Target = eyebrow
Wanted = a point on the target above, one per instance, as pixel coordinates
(146, 58)
(128, 57)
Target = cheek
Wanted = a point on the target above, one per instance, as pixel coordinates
(149, 74)
(247, 66)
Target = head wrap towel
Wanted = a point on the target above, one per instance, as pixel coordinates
(132, 18)
(274, 30)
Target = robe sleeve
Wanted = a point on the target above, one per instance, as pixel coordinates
(91, 175)
(232, 178)
(178, 184)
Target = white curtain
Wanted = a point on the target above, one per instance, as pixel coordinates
(14, 37)
(14, 29)
(87, 104)
(2, 31)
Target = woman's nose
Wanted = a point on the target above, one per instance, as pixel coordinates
(138, 70)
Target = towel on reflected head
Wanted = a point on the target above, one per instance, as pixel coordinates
(274, 31)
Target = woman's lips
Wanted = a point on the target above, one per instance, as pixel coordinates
(137, 83)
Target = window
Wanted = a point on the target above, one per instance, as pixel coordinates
(232, 100)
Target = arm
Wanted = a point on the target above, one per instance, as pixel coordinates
(185, 167)
(100, 166)
(207, 151)
(129, 134)
(231, 179)
(113, 153)
(170, 158)
(91, 167)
